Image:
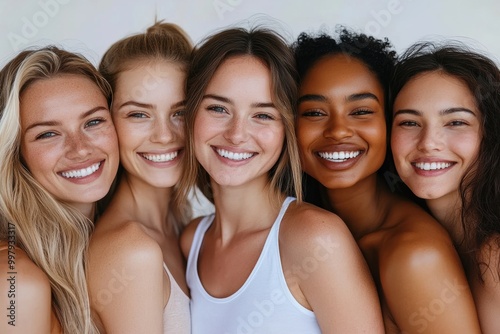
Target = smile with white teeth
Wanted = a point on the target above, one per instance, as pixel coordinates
(339, 156)
(79, 173)
(160, 157)
(234, 155)
(432, 165)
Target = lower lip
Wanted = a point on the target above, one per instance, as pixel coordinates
(87, 179)
(163, 164)
(231, 162)
(435, 172)
(340, 165)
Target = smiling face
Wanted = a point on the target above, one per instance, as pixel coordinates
(148, 111)
(436, 133)
(68, 140)
(238, 132)
(341, 125)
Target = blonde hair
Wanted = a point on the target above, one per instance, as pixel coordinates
(53, 234)
(161, 42)
(271, 48)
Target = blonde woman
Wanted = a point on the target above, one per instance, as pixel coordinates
(136, 270)
(59, 155)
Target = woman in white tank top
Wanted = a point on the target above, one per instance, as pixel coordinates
(264, 262)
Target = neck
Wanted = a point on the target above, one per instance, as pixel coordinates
(447, 210)
(245, 208)
(144, 203)
(363, 206)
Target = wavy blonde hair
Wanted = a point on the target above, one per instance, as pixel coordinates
(53, 234)
(165, 42)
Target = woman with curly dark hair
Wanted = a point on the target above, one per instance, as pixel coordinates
(446, 146)
(342, 134)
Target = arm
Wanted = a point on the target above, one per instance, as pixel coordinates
(126, 281)
(424, 284)
(340, 290)
(29, 299)
(487, 293)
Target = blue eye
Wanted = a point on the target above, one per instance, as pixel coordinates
(94, 122)
(45, 135)
(264, 116)
(137, 114)
(217, 109)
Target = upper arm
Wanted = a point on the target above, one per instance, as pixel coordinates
(25, 296)
(339, 287)
(125, 276)
(425, 287)
(487, 292)
(187, 236)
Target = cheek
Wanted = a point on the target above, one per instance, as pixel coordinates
(106, 139)
(306, 135)
(272, 137)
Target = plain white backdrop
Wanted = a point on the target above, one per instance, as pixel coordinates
(91, 26)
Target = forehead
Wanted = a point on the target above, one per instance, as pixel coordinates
(60, 96)
(340, 70)
(436, 90)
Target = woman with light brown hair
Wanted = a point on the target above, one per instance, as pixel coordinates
(136, 269)
(265, 261)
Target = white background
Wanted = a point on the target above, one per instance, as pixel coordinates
(89, 27)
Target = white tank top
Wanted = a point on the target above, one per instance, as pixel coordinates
(263, 304)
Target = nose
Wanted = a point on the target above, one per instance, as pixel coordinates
(338, 128)
(161, 132)
(430, 139)
(236, 131)
(78, 145)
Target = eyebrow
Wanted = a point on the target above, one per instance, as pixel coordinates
(350, 98)
(229, 101)
(443, 112)
(56, 123)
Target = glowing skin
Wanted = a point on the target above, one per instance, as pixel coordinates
(148, 113)
(340, 125)
(68, 140)
(238, 130)
(436, 134)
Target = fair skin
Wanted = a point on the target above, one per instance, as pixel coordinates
(342, 138)
(135, 235)
(69, 145)
(436, 137)
(238, 137)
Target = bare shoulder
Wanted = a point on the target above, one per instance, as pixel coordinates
(187, 236)
(419, 252)
(125, 249)
(304, 217)
(25, 288)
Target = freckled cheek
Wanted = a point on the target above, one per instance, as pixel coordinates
(41, 160)
(106, 139)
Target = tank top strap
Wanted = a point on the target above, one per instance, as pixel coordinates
(196, 244)
(277, 223)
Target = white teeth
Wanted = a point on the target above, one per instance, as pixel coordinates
(161, 157)
(339, 156)
(233, 155)
(432, 165)
(79, 173)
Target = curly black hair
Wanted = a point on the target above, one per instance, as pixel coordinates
(377, 54)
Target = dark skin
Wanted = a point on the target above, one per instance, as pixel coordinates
(342, 137)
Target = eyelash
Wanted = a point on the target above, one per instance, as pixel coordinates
(137, 114)
(313, 113)
(216, 109)
(362, 112)
(92, 122)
